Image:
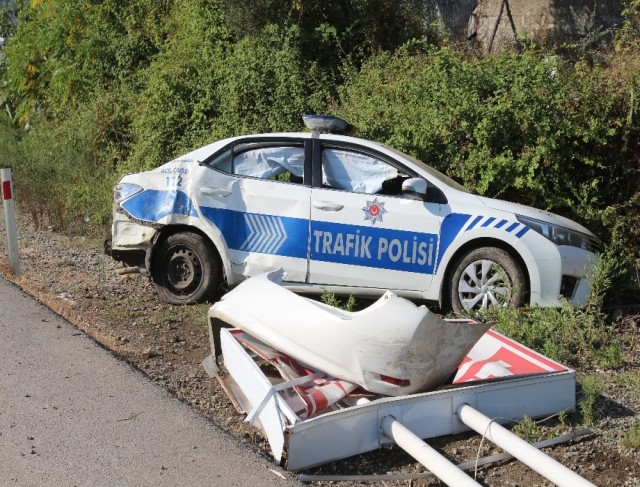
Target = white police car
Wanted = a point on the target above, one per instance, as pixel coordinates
(342, 214)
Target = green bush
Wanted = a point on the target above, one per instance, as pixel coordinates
(63, 50)
(8, 142)
(631, 439)
(202, 86)
(528, 430)
(590, 391)
(58, 177)
(268, 85)
(509, 126)
(179, 98)
(332, 30)
(572, 335)
(526, 127)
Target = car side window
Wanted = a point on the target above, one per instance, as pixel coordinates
(272, 162)
(349, 170)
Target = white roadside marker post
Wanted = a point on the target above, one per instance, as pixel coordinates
(520, 449)
(10, 220)
(438, 464)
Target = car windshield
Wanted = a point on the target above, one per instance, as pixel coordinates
(433, 172)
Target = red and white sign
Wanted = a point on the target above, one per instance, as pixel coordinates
(314, 396)
(495, 356)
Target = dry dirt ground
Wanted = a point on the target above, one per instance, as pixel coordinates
(73, 277)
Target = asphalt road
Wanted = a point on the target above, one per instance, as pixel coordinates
(71, 414)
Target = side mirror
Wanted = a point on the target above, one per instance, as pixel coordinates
(415, 188)
(419, 189)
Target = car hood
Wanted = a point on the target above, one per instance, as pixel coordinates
(534, 213)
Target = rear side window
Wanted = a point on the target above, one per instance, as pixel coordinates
(273, 162)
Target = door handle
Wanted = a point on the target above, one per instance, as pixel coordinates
(219, 192)
(328, 205)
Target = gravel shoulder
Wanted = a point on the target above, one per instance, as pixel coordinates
(72, 276)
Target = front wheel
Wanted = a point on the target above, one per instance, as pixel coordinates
(186, 269)
(487, 276)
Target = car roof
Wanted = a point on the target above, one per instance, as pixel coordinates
(202, 153)
(346, 139)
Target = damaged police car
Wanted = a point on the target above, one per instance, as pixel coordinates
(341, 214)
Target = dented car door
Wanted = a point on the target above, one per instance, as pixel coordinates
(256, 198)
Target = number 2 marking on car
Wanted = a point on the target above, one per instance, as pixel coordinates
(174, 181)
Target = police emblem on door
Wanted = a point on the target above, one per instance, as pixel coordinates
(374, 211)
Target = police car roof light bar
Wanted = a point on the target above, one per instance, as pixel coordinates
(328, 123)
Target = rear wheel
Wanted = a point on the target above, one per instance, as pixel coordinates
(186, 269)
(487, 276)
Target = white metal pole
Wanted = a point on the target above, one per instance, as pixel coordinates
(522, 450)
(427, 456)
(10, 220)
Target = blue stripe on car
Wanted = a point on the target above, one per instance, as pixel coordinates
(474, 223)
(500, 223)
(489, 221)
(330, 242)
(152, 205)
(512, 227)
(265, 234)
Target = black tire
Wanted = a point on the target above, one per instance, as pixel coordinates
(186, 269)
(487, 276)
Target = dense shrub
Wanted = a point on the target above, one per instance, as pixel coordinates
(522, 126)
(511, 126)
(179, 98)
(8, 142)
(59, 178)
(268, 85)
(202, 86)
(331, 29)
(63, 50)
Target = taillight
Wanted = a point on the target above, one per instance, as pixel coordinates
(394, 381)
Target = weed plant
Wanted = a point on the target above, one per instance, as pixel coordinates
(631, 439)
(572, 335)
(591, 389)
(331, 299)
(528, 430)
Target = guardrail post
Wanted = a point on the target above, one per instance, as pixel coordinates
(10, 220)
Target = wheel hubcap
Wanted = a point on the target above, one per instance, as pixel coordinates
(484, 283)
(184, 271)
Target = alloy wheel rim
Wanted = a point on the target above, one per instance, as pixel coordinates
(484, 283)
